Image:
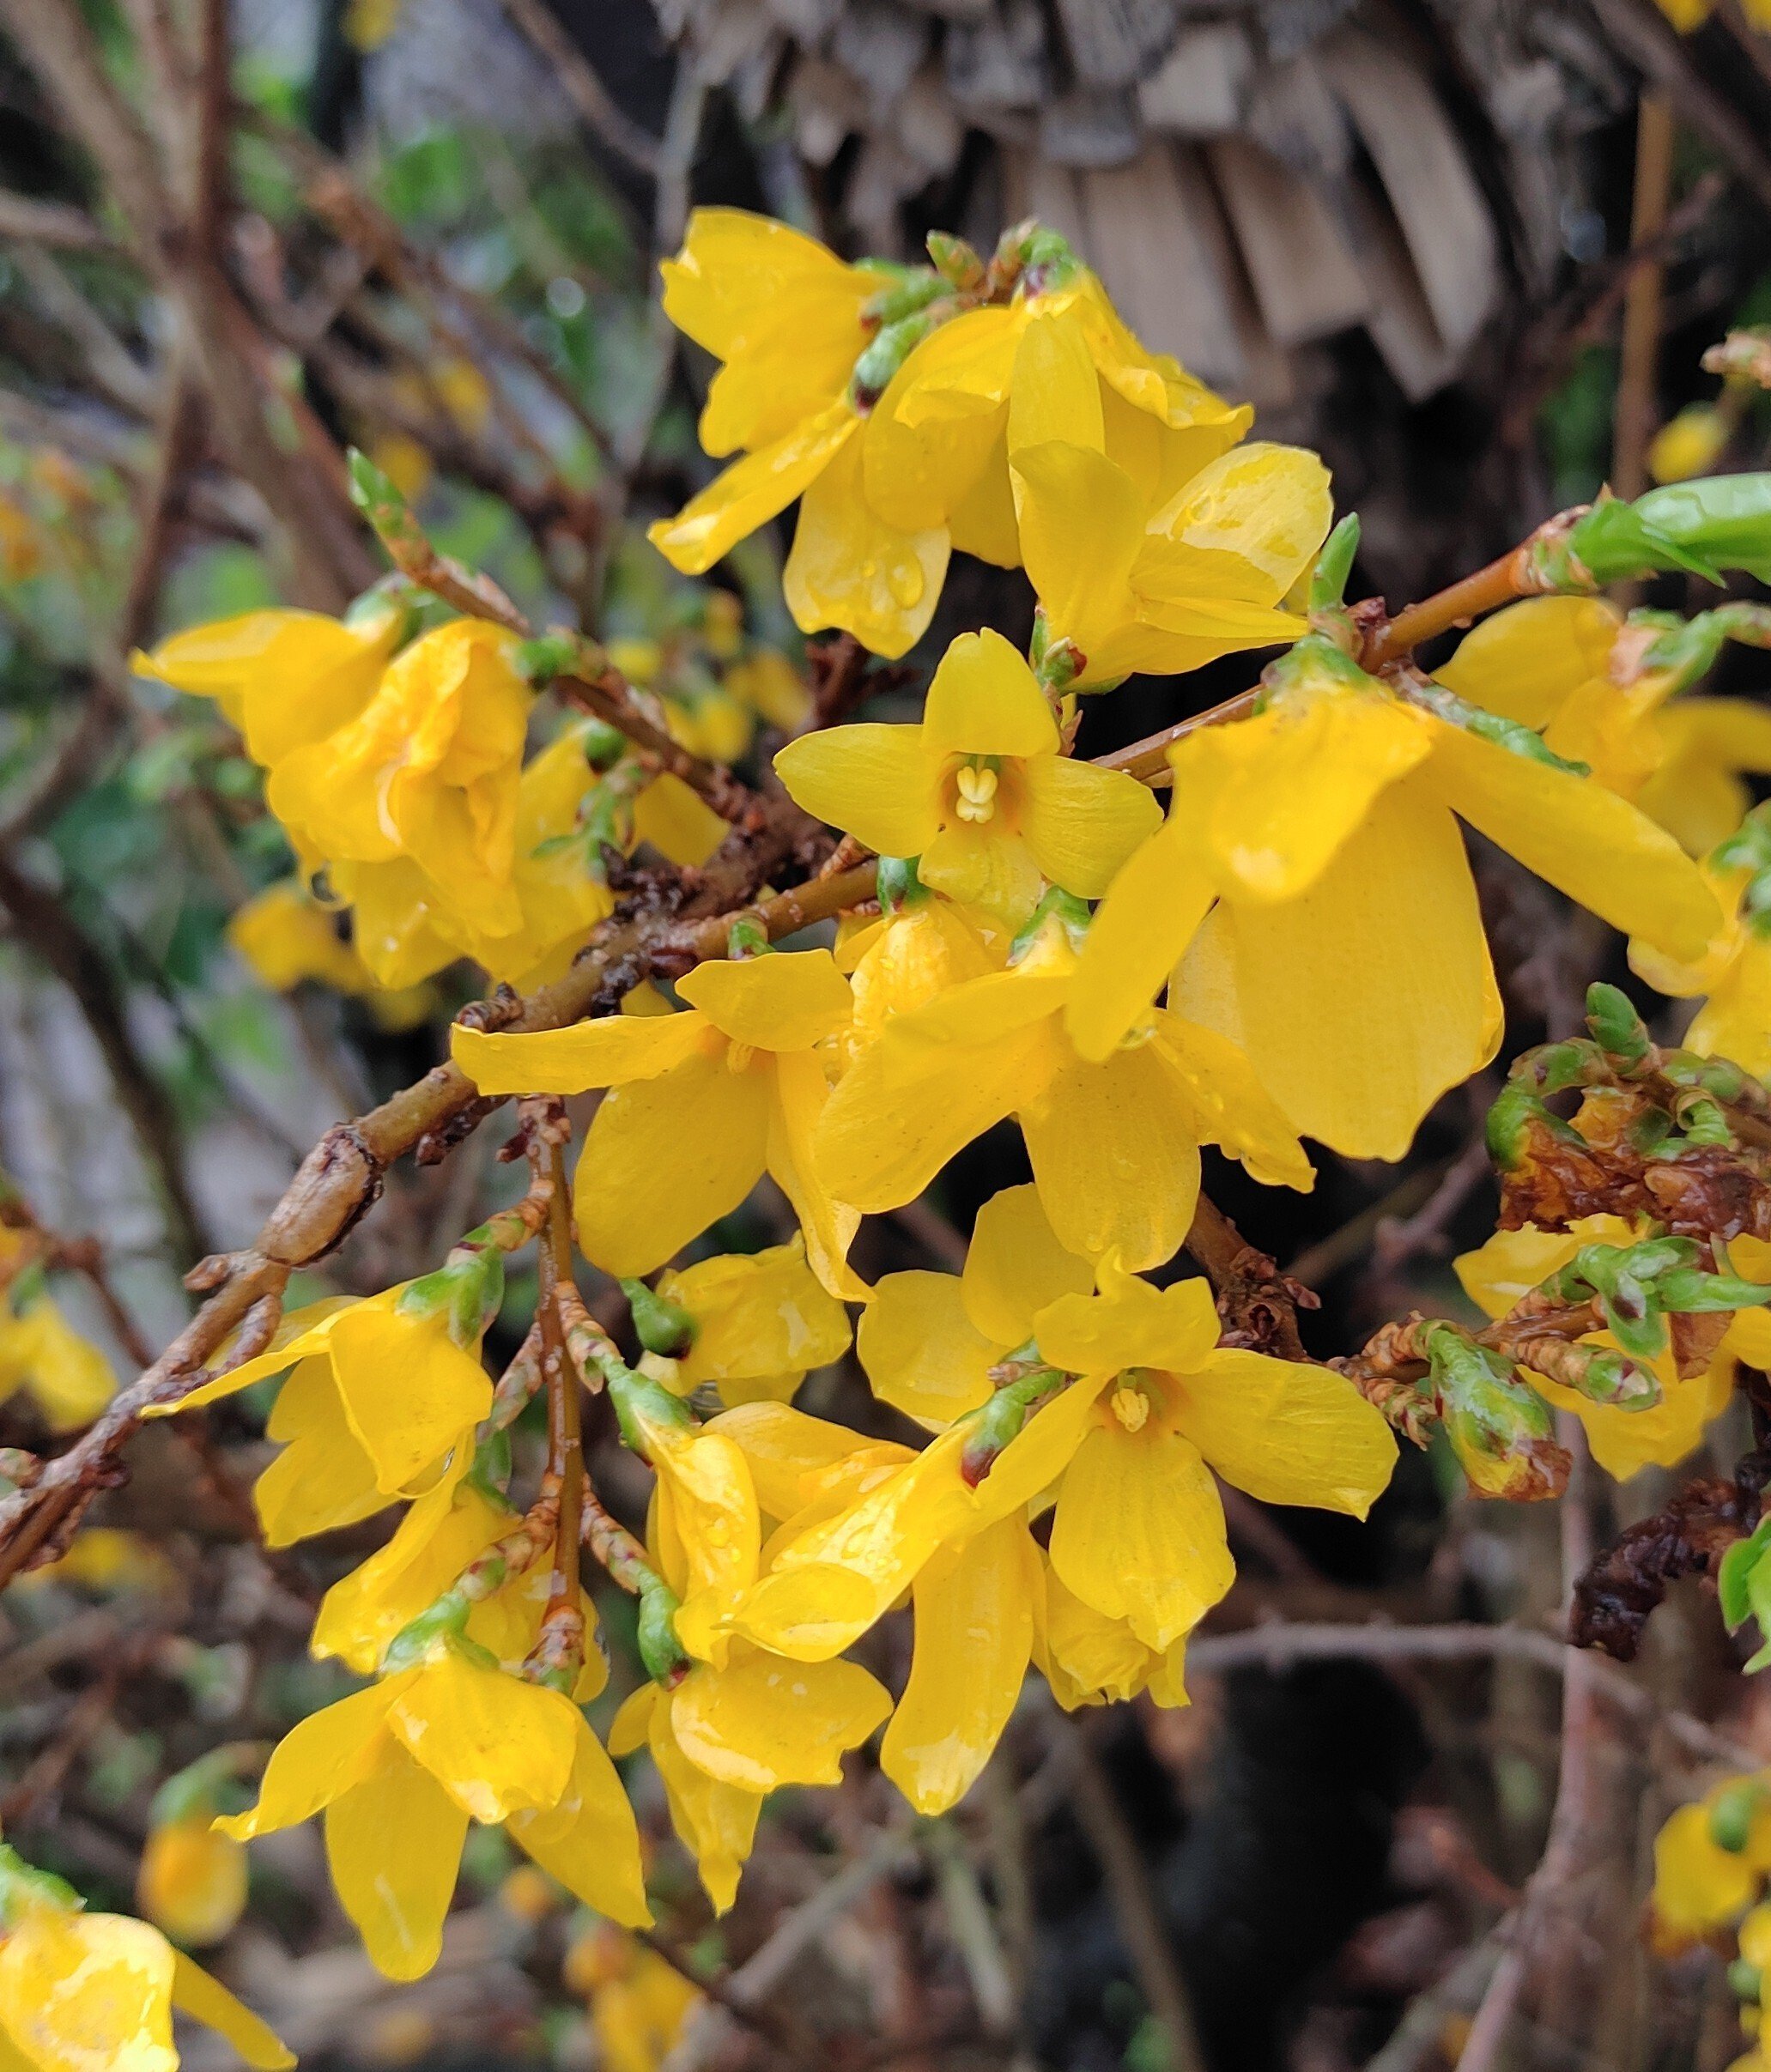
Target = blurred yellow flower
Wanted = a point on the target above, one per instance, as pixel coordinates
(192, 1884)
(637, 2003)
(66, 1375)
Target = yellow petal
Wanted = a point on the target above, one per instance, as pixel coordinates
(1015, 1265)
(1276, 797)
(1526, 662)
(494, 1742)
(984, 700)
(1139, 1531)
(1695, 794)
(1040, 1451)
(1229, 1105)
(1056, 394)
(1394, 921)
(716, 1822)
(849, 568)
(763, 1721)
(393, 1846)
(1151, 912)
(607, 1052)
(208, 2001)
(666, 1157)
(922, 1354)
(938, 428)
(1247, 526)
(590, 1842)
(677, 822)
(410, 1393)
(757, 1313)
(780, 1001)
(322, 1479)
(1588, 842)
(752, 491)
(321, 1757)
(714, 1511)
(1082, 522)
(1513, 1261)
(785, 1447)
(1698, 1885)
(88, 1992)
(974, 1626)
(876, 782)
(988, 867)
(1130, 1324)
(828, 1224)
(1288, 1433)
(1082, 824)
(1088, 1659)
(301, 1334)
(1115, 1156)
(909, 1104)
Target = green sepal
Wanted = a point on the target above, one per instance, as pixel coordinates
(899, 885)
(1686, 1293)
(1001, 1419)
(635, 1395)
(468, 1288)
(663, 1326)
(1334, 566)
(747, 937)
(21, 1884)
(884, 354)
(1745, 1980)
(1512, 735)
(660, 1652)
(1059, 908)
(489, 1471)
(439, 1625)
(955, 261)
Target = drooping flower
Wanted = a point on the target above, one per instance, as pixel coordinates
(1114, 1144)
(637, 2003)
(79, 1991)
(1689, 442)
(401, 1768)
(788, 321)
(1560, 665)
(289, 938)
(426, 773)
(66, 1375)
(921, 946)
(193, 1885)
(1057, 361)
(979, 792)
(1088, 1659)
(283, 679)
(1623, 1441)
(736, 1721)
(702, 1104)
(762, 1321)
(381, 1404)
(1345, 953)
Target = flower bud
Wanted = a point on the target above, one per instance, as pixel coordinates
(663, 1326)
(1699, 528)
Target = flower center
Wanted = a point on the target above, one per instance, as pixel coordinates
(1130, 1405)
(977, 792)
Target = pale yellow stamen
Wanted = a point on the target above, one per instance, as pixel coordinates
(738, 1056)
(977, 794)
(1130, 1406)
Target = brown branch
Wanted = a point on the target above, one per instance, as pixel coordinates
(1257, 1303)
(25, 220)
(1634, 412)
(341, 1176)
(586, 91)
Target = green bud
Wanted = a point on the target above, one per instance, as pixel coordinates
(639, 1401)
(440, 1625)
(1731, 1815)
(1502, 1432)
(490, 1472)
(660, 1650)
(1059, 663)
(664, 1327)
(747, 937)
(1745, 1981)
(547, 656)
(955, 261)
(1686, 1293)
(883, 354)
(1048, 263)
(1334, 566)
(1699, 528)
(1618, 1029)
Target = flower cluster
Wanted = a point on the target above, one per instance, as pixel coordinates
(1293, 951)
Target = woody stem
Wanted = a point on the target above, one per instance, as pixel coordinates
(559, 1649)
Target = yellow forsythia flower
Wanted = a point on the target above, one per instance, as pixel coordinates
(288, 937)
(400, 1768)
(1689, 443)
(382, 1401)
(70, 1379)
(1497, 1274)
(703, 1104)
(762, 1321)
(1733, 974)
(1550, 663)
(910, 956)
(979, 792)
(193, 1885)
(1700, 1885)
(105, 1559)
(1114, 1144)
(283, 679)
(637, 2003)
(81, 1991)
(1345, 952)
(1056, 362)
(427, 772)
(739, 1721)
